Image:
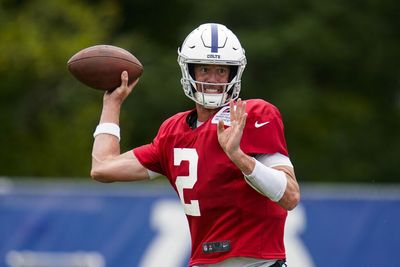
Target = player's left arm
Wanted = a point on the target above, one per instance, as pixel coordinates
(278, 183)
(291, 196)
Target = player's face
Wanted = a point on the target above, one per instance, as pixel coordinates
(211, 74)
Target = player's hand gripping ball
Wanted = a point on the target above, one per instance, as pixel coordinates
(100, 66)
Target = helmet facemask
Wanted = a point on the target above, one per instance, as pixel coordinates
(200, 91)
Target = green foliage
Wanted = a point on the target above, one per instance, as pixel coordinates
(45, 117)
(331, 67)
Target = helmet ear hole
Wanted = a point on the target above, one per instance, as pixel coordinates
(193, 77)
(233, 72)
(191, 70)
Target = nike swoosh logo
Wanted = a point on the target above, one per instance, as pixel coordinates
(258, 125)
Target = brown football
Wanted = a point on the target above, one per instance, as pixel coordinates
(100, 66)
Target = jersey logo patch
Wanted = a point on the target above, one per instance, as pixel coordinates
(258, 125)
(223, 114)
(221, 246)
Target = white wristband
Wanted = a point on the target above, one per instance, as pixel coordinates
(107, 128)
(267, 181)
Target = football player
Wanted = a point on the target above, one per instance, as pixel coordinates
(227, 158)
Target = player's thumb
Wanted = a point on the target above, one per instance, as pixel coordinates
(124, 78)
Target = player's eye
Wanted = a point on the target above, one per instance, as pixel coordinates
(223, 71)
(204, 69)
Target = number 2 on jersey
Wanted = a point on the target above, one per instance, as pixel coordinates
(187, 182)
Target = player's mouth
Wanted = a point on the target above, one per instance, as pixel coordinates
(212, 90)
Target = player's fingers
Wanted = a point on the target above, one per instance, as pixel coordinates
(128, 89)
(243, 121)
(220, 127)
(124, 89)
(242, 109)
(133, 84)
(239, 110)
(124, 79)
(232, 110)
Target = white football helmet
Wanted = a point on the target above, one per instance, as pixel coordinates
(211, 43)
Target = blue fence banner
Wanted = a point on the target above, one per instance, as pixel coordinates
(88, 224)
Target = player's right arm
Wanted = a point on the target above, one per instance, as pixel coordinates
(108, 164)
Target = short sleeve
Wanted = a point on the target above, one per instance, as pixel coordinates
(149, 157)
(264, 130)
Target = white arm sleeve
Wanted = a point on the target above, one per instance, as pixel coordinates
(266, 180)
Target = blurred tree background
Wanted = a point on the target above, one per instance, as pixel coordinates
(331, 67)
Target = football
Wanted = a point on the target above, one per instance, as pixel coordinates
(100, 66)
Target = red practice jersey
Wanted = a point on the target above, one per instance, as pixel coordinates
(227, 218)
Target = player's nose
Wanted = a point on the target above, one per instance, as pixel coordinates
(213, 77)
